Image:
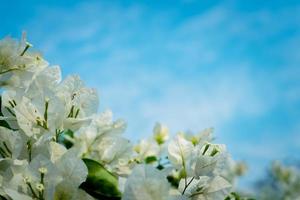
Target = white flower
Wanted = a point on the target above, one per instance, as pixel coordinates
(72, 168)
(100, 126)
(147, 148)
(44, 83)
(146, 183)
(41, 174)
(12, 143)
(200, 138)
(35, 110)
(102, 140)
(17, 64)
(39, 115)
(179, 151)
(65, 191)
(48, 126)
(205, 188)
(16, 195)
(114, 153)
(160, 133)
(231, 169)
(56, 151)
(79, 100)
(207, 160)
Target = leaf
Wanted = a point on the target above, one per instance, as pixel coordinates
(100, 183)
(150, 159)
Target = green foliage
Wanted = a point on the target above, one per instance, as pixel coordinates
(150, 159)
(174, 181)
(100, 183)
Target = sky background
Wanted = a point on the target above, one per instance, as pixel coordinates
(231, 65)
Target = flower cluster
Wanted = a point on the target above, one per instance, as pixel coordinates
(281, 182)
(55, 145)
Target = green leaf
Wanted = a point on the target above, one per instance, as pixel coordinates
(150, 159)
(100, 183)
(5, 124)
(174, 181)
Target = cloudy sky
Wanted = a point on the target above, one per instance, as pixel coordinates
(231, 65)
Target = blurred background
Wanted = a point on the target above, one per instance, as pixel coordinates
(231, 65)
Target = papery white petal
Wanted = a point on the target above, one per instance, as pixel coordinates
(72, 168)
(179, 150)
(146, 183)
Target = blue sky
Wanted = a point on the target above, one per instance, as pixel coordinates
(231, 65)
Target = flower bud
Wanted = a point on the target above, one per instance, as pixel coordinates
(27, 179)
(161, 133)
(43, 170)
(40, 187)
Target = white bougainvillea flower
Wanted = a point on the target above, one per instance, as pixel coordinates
(36, 109)
(147, 148)
(180, 151)
(72, 168)
(160, 133)
(231, 170)
(57, 150)
(114, 152)
(43, 177)
(200, 138)
(51, 132)
(39, 115)
(8, 169)
(24, 181)
(104, 124)
(79, 100)
(9, 100)
(44, 83)
(204, 165)
(207, 160)
(16, 195)
(205, 188)
(11, 143)
(65, 191)
(146, 183)
(100, 126)
(17, 64)
(102, 140)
